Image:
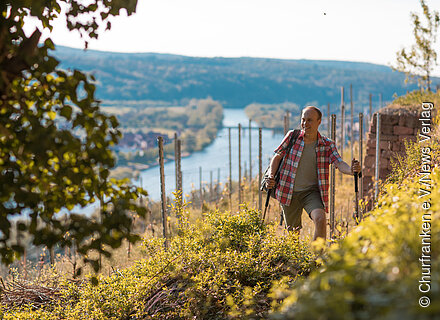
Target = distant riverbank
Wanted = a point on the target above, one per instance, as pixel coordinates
(196, 124)
(214, 159)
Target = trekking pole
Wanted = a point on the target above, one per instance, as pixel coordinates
(267, 203)
(356, 204)
(281, 217)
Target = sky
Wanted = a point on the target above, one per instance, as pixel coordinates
(350, 30)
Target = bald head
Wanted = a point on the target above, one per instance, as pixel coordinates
(310, 121)
(315, 109)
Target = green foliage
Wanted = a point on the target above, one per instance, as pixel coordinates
(219, 268)
(374, 272)
(54, 140)
(85, 19)
(414, 99)
(421, 58)
(408, 166)
(272, 115)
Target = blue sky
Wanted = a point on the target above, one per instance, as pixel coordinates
(368, 31)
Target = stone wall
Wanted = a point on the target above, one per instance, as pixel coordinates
(397, 125)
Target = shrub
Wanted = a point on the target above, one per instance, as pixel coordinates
(221, 267)
(407, 167)
(374, 273)
(414, 99)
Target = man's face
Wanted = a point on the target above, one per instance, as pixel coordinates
(309, 121)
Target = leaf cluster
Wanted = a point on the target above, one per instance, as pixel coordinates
(84, 17)
(419, 60)
(54, 140)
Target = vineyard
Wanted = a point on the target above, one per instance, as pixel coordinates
(220, 264)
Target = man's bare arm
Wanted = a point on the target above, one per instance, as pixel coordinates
(345, 168)
(274, 163)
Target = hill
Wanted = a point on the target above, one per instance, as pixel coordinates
(235, 82)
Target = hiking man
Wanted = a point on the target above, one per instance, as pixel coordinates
(304, 177)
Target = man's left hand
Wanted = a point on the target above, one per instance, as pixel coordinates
(355, 166)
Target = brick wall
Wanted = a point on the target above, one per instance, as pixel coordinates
(397, 124)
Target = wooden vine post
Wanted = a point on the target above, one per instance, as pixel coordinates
(162, 192)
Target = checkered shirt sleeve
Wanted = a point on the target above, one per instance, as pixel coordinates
(281, 150)
(334, 154)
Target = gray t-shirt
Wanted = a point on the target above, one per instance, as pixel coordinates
(307, 173)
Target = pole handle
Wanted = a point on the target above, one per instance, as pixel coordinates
(356, 189)
(356, 207)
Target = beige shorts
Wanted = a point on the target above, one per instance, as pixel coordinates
(308, 200)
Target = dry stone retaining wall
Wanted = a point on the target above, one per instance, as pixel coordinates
(397, 125)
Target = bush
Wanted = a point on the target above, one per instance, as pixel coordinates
(374, 273)
(221, 267)
(408, 166)
(414, 99)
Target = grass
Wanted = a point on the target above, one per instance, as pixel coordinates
(414, 99)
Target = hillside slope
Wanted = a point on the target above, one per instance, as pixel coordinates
(236, 82)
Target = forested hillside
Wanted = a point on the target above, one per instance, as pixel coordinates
(235, 82)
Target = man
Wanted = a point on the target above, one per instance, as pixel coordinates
(304, 177)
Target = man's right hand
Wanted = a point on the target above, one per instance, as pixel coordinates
(270, 182)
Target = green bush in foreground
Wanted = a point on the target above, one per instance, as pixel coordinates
(374, 273)
(220, 268)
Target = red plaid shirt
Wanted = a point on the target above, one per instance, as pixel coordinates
(326, 154)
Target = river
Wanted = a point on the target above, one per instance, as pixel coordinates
(215, 157)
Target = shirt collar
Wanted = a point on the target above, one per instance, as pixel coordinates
(319, 138)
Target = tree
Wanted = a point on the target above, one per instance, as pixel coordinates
(54, 140)
(420, 59)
